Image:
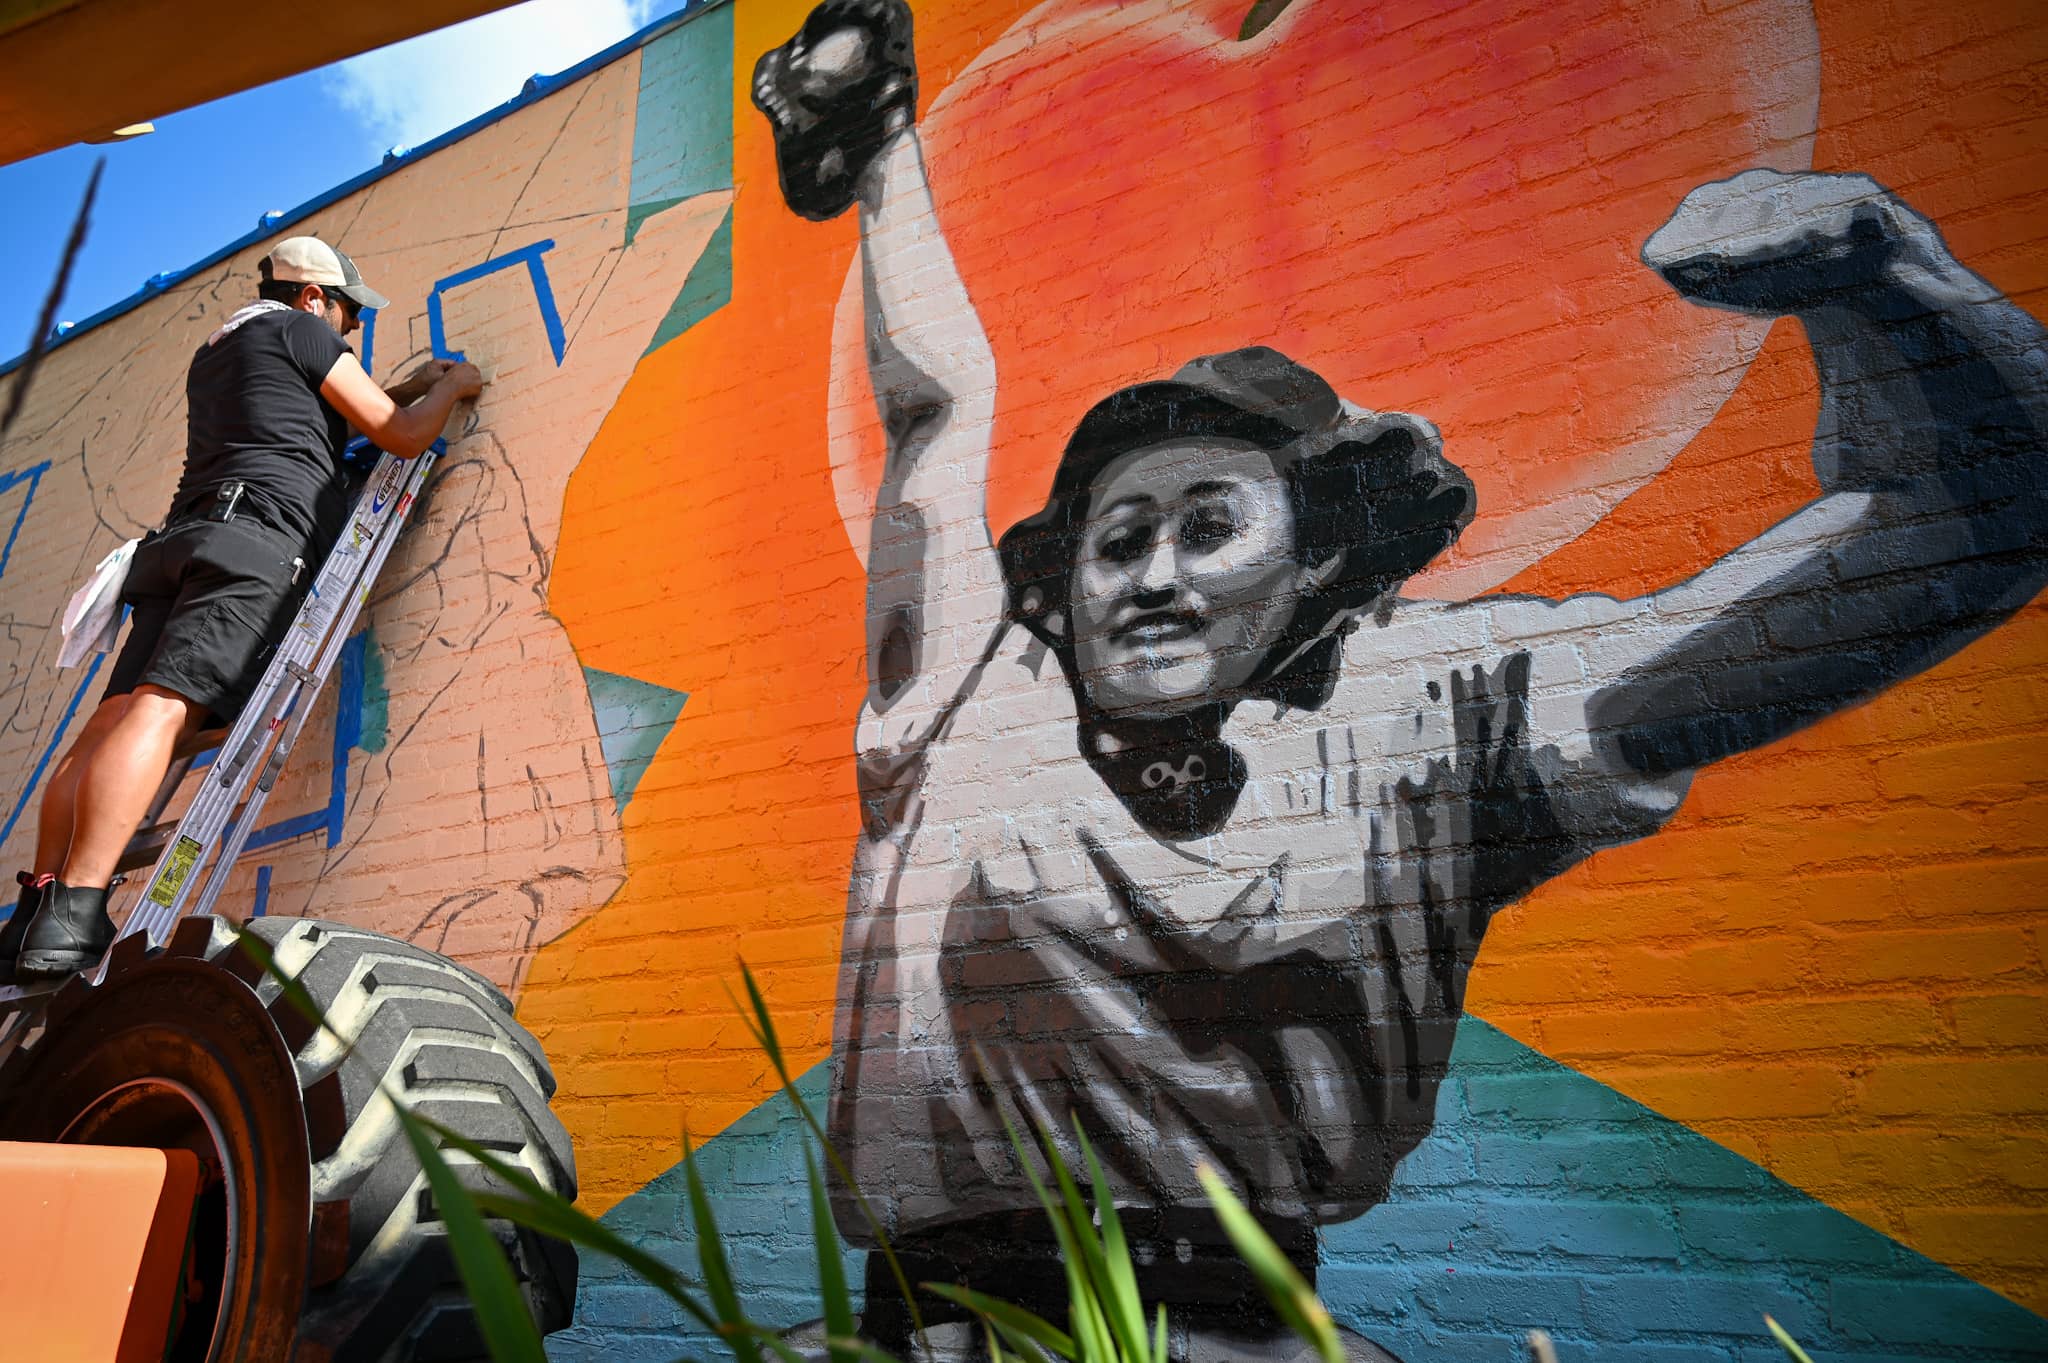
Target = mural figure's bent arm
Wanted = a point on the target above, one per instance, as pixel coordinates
(1931, 526)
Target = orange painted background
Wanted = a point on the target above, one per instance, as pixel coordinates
(1831, 962)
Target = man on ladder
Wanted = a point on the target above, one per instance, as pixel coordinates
(270, 399)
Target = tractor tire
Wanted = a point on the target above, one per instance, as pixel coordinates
(317, 1241)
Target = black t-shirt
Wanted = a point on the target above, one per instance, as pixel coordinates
(254, 414)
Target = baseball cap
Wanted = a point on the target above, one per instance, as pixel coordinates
(309, 260)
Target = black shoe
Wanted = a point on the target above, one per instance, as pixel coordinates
(12, 931)
(833, 106)
(70, 934)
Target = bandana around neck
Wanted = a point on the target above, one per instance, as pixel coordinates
(256, 309)
(1176, 776)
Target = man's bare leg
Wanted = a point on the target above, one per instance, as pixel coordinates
(53, 830)
(119, 779)
(108, 790)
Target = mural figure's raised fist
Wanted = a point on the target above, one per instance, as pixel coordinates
(1770, 242)
(833, 94)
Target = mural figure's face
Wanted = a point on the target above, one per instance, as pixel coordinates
(1186, 576)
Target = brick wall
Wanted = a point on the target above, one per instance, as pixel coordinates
(1781, 1048)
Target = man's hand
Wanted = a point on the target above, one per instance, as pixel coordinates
(400, 430)
(464, 380)
(414, 386)
(1769, 242)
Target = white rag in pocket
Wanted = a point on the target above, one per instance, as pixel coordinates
(92, 617)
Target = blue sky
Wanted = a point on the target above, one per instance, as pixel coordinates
(206, 174)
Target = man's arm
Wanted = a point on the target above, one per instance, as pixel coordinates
(1931, 527)
(403, 431)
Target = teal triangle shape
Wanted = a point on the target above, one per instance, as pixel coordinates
(641, 212)
(706, 289)
(633, 717)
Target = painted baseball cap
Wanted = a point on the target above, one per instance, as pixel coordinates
(309, 260)
(1375, 482)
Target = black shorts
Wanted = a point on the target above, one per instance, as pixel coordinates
(210, 601)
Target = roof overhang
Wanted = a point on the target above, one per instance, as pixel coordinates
(78, 70)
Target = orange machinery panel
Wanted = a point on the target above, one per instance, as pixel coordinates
(92, 1241)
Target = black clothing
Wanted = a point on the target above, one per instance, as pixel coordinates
(210, 604)
(254, 415)
(211, 600)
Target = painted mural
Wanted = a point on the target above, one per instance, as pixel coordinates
(1104, 547)
(1183, 822)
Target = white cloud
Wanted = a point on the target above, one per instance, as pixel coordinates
(412, 91)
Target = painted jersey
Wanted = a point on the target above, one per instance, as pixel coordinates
(1276, 999)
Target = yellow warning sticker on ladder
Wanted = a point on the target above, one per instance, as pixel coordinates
(184, 854)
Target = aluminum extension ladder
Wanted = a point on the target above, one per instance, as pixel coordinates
(200, 852)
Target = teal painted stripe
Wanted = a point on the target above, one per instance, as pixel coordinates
(754, 1171)
(682, 131)
(1545, 1199)
(1542, 1198)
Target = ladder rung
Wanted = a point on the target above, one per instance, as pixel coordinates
(199, 743)
(145, 847)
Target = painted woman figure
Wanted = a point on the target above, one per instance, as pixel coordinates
(1183, 823)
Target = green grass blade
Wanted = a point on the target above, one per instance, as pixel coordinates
(1292, 1297)
(1013, 1320)
(1084, 1317)
(718, 1284)
(548, 1212)
(1121, 1286)
(295, 994)
(838, 1302)
(1786, 1342)
(764, 1035)
(1159, 1337)
(1091, 1331)
(762, 1025)
(1053, 1211)
(860, 1349)
(1123, 1331)
(501, 1312)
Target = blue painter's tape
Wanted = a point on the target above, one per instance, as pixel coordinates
(262, 905)
(284, 830)
(348, 731)
(543, 294)
(35, 777)
(369, 316)
(34, 477)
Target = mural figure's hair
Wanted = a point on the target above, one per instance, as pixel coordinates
(1373, 487)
